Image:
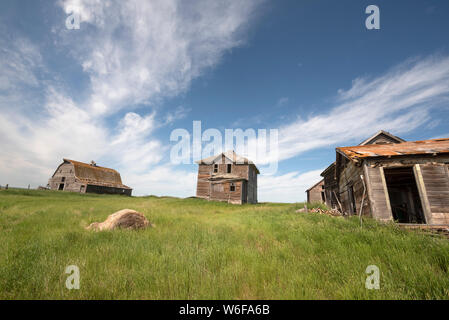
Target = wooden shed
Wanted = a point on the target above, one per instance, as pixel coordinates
(81, 177)
(329, 174)
(406, 182)
(316, 193)
(227, 177)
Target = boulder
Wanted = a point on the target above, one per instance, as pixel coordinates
(123, 219)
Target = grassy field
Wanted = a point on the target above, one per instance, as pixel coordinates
(207, 250)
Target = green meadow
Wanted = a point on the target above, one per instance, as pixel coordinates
(207, 250)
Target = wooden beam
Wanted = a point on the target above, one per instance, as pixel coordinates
(423, 193)
(387, 196)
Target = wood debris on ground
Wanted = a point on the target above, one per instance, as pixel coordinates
(330, 212)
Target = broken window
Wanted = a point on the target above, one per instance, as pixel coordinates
(215, 168)
(62, 179)
(232, 187)
(229, 168)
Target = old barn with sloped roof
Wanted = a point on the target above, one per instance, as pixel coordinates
(407, 182)
(227, 177)
(82, 177)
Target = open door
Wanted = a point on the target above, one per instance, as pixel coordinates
(404, 196)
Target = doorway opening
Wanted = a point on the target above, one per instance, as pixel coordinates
(404, 196)
(61, 186)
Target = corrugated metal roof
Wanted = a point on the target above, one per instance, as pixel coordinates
(435, 146)
(96, 175)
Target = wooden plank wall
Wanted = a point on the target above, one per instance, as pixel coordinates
(350, 176)
(378, 196)
(436, 182)
(203, 185)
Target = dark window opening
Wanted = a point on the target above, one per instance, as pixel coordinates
(215, 168)
(61, 186)
(229, 168)
(323, 197)
(62, 179)
(352, 204)
(232, 187)
(404, 195)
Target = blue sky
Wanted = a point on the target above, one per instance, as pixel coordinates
(115, 89)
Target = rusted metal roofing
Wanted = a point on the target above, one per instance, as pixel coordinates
(96, 175)
(433, 147)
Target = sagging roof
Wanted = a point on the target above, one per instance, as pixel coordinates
(231, 155)
(424, 147)
(96, 175)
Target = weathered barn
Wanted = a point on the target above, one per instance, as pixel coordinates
(406, 182)
(329, 177)
(81, 177)
(227, 177)
(316, 193)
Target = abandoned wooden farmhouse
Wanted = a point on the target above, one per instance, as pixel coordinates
(324, 190)
(81, 177)
(407, 182)
(227, 177)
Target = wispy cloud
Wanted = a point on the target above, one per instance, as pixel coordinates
(135, 53)
(282, 101)
(399, 101)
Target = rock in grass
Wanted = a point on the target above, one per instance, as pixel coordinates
(123, 219)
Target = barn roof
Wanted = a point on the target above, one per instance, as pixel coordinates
(96, 175)
(316, 184)
(432, 147)
(381, 133)
(231, 155)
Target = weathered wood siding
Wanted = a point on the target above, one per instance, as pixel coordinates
(436, 183)
(314, 194)
(330, 187)
(379, 202)
(203, 185)
(66, 171)
(349, 178)
(221, 191)
(252, 185)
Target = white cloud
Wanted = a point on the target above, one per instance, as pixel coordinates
(134, 53)
(138, 51)
(289, 187)
(399, 101)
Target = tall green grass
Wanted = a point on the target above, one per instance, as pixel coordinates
(207, 250)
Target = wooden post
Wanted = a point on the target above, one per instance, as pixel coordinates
(423, 193)
(387, 195)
